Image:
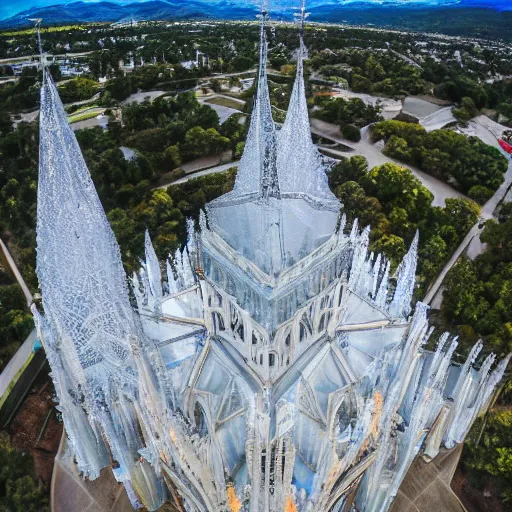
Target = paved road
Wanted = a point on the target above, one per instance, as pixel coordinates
(374, 155)
(14, 60)
(32, 116)
(90, 123)
(207, 97)
(16, 272)
(431, 293)
(16, 363)
(472, 239)
(212, 170)
(24, 352)
(407, 59)
(139, 97)
(438, 120)
(222, 111)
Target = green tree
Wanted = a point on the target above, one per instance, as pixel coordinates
(348, 169)
(373, 69)
(78, 89)
(201, 142)
(172, 157)
(466, 111)
(433, 253)
(396, 186)
(492, 455)
(360, 84)
(242, 63)
(239, 149)
(479, 193)
(18, 490)
(392, 246)
(351, 132)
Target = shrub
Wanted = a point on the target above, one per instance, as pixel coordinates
(351, 132)
(479, 193)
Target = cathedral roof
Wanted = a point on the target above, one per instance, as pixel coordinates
(281, 207)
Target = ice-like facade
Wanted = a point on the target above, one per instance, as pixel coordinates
(272, 365)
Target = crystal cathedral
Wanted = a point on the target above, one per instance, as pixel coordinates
(277, 366)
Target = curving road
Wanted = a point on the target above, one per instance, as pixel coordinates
(374, 155)
(486, 130)
(211, 170)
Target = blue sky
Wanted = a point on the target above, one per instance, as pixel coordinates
(11, 7)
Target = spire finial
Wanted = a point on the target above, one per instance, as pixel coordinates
(37, 26)
(301, 18)
(269, 185)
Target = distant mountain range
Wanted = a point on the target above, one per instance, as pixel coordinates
(484, 18)
(75, 12)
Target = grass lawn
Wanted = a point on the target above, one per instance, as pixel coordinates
(226, 102)
(84, 108)
(83, 116)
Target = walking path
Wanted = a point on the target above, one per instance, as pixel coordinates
(11, 373)
(374, 155)
(35, 57)
(222, 111)
(139, 97)
(211, 170)
(20, 360)
(30, 117)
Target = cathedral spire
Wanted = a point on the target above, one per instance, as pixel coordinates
(406, 278)
(299, 163)
(257, 172)
(154, 274)
(40, 44)
(79, 266)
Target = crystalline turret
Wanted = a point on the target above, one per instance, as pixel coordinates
(299, 163)
(401, 304)
(87, 309)
(78, 259)
(154, 275)
(257, 173)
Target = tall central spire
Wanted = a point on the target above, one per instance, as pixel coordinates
(281, 207)
(269, 184)
(299, 164)
(257, 173)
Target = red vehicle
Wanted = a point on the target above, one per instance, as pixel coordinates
(506, 146)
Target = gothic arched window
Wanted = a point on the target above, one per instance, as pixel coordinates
(200, 420)
(218, 322)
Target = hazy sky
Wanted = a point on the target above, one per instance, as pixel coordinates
(11, 7)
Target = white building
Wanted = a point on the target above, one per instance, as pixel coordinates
(277, 366)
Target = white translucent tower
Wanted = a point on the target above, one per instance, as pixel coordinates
(278, 366)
